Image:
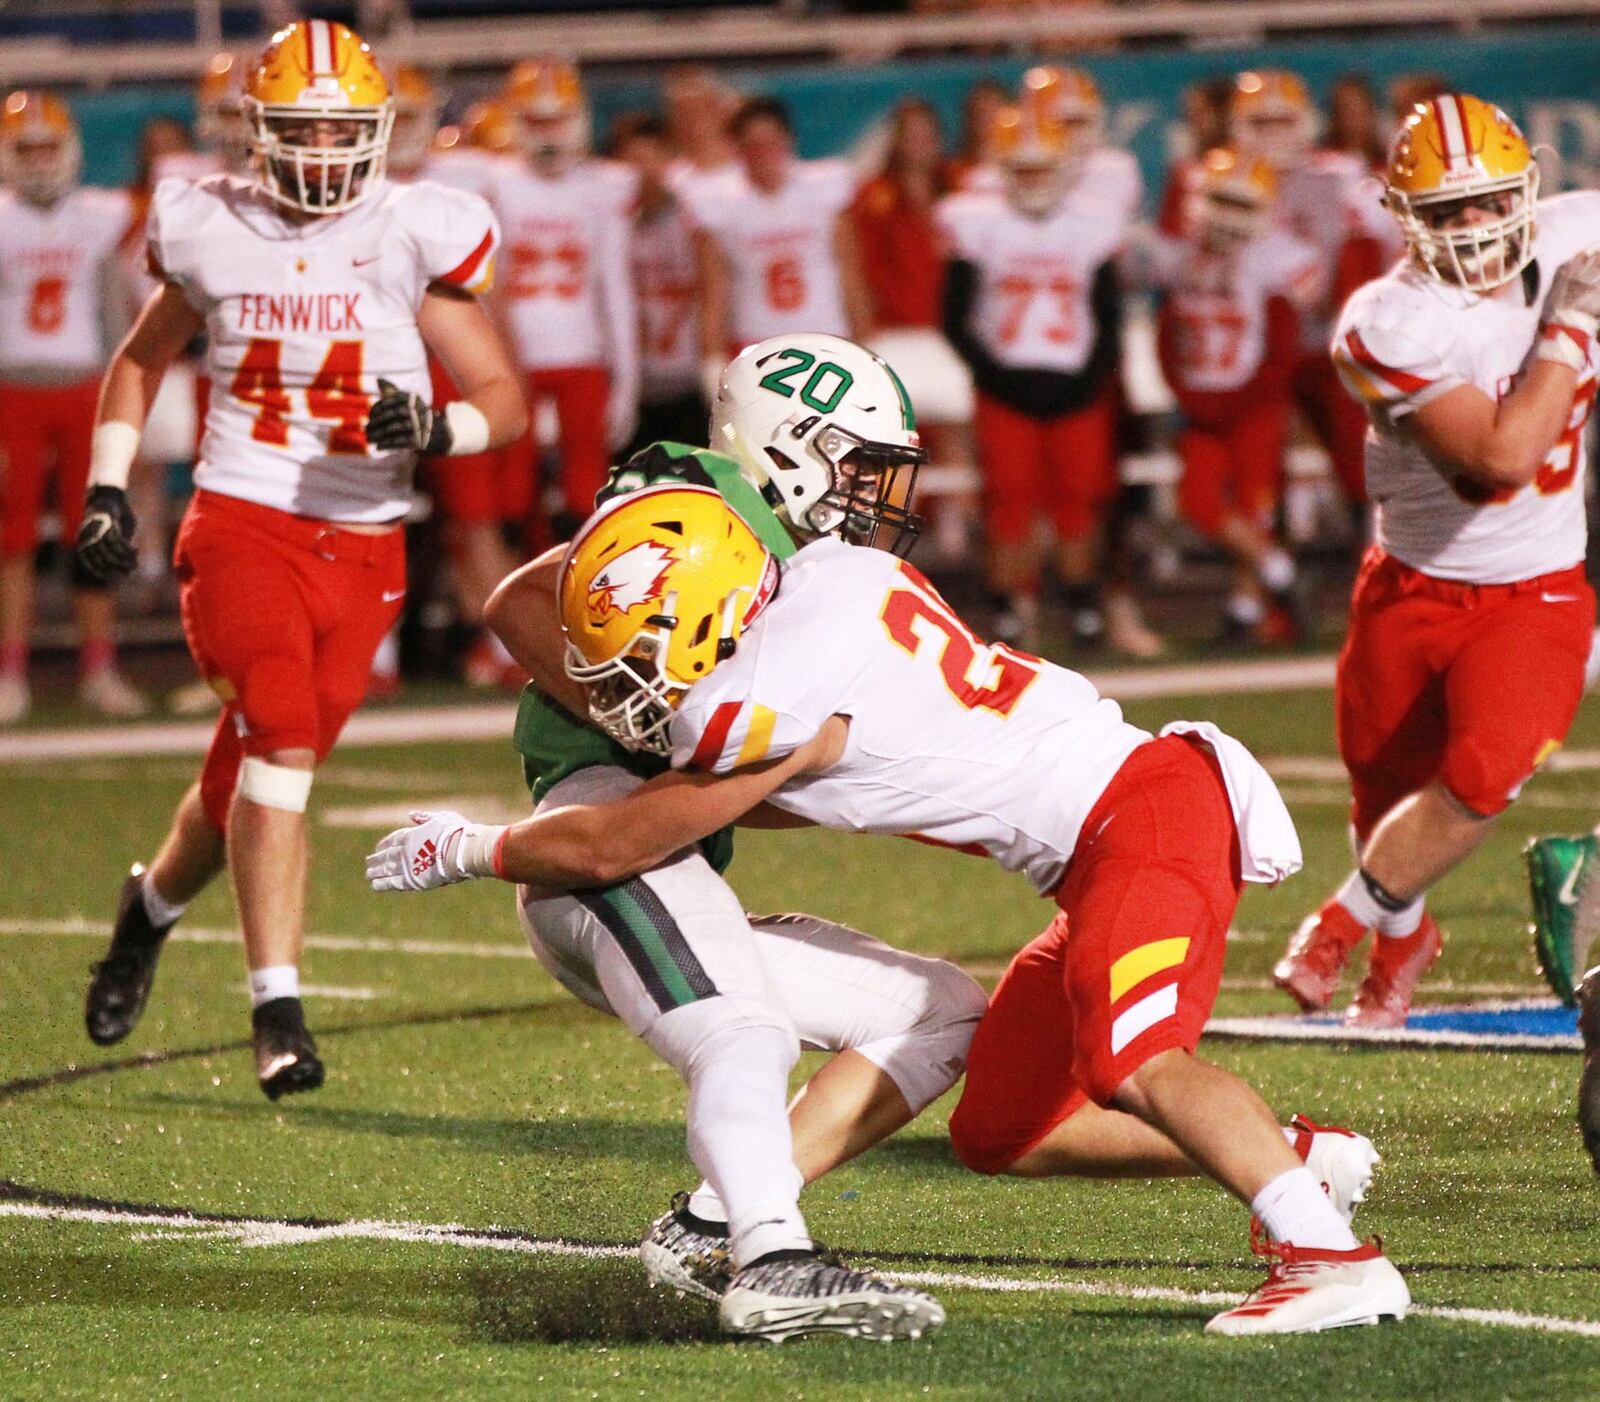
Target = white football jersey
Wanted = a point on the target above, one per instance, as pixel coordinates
(59, 283)
(783, 270)
(1405, 339)
(665, 278)
(566, 288)
(186, 165)
(469, 168)
(1218, 305)
(1034, 275)
(302, 320)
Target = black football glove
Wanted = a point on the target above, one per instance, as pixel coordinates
(399, 422)
(105, 539)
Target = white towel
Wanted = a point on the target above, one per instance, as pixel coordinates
(1269, 847)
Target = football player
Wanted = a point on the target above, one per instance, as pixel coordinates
(319, 284)
(568, 295)
(1471, 619)
(851, 696)
(652, 950)
(1229, 337)
(1032, 305)
(776, 246)
(58, 303)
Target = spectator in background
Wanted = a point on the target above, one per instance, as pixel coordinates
(1406, 91)
(699, 106)
(60, 313)
(665, 278)
(983, 103)
(1229, 340)
(1353, 123)
(775, 245)
(1205, 127)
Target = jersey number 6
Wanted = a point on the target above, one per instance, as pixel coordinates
(1006, 673)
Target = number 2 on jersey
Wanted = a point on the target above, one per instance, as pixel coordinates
(1004, 673)
(335, 394)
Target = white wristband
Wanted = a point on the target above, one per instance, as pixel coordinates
(469, 430)
(480, 844)
(115, 446)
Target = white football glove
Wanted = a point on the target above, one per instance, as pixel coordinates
(438, 849)
(1572, 311)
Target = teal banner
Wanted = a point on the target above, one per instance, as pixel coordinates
(1546, 78)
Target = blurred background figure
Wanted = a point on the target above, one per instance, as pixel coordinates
(775, 244)
(1204, 128)
(567, 290)
(1229, 342)
(698, 108)
(61, 311)
(417, 109)
(665, 278)
(1355, 125)
(469, 154)
(983, 103)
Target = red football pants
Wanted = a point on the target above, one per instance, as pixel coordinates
(478, 489)
(43, 431)
(1338, 421)
(1128, 969)
(1062, 469)
(580, 393)
(283, 615)
(1470, 685)
(1233, 465)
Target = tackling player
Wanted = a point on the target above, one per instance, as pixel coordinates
(1471, 619)
(318, 284)
(725, 999)
(568, 295)
(59, 312)
(852, 697)
(1229, 337)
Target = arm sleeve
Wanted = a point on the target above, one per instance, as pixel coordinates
(722, 737)
(1389, 369)
(165, 251)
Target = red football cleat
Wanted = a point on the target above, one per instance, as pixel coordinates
(1397, 966)
(1310, 968)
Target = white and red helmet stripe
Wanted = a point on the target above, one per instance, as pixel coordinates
(1451, 113)
(320, 49)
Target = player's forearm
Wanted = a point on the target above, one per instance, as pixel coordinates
(852, 280)
(714, 333)
(500, 400)
(1526, 425)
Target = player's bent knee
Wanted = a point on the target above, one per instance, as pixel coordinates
(1478, 779)
(926, 1059)
(980, 1145)
(1136, 1091)
(686, 1035)
(274, 785)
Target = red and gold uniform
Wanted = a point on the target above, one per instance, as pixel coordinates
(1471, 620)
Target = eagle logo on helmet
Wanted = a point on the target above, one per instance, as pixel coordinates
(635, 577)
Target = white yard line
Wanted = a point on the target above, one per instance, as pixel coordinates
(267, 1234)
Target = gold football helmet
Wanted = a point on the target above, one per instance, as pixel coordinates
(40, 152)
(1071, 97)
(1270, 114)
(655, 591)
(1033, 148)
(320, 115)
(545, 99)
(1462, 181)
(1233, 202)
(416, 118)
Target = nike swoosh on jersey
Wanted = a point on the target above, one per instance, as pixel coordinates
(390, 595)
(1559, 598)
(1568, 894)
(362, 262)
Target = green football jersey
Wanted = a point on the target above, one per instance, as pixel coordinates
(552, 741)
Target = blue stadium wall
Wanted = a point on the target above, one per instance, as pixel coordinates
(1546, 78)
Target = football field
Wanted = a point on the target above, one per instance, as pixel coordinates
(454, 1213)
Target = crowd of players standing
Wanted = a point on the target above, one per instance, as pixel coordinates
(993, 275)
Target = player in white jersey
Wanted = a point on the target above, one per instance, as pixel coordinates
(318, 285)
(567, 295)
(1228, 341)
(777, 249)
(848, 694)
(60, 313)
(666, 281)
(1471, 619)
(1032, 304)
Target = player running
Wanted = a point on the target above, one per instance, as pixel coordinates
(725, 999)
(849, 695)
(318, 284)
(1471, 619)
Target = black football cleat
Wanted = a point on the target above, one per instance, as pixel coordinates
(286, 1055)
(119, 984)
(1589, 1085)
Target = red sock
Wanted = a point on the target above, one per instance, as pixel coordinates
(96, 655)
(13, 658)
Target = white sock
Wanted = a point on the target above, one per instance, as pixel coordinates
(1246, 609)
(274, 981)
(739, 1138)
(1276, 571)
(1358, 900)
(157, 907)
(1293, 1208)
(706, 1205)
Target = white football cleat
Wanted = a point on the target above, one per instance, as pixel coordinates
(1308, 1290)
(1340, 1159)
(15, 699)
(107, 692)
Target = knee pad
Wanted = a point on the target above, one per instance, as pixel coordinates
(1482, 778)
(278, 705)
(681, 1037)
(274, 785)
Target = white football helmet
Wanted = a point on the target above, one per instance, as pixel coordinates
(823, 428)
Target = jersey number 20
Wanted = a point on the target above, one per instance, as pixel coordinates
(915, 617)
